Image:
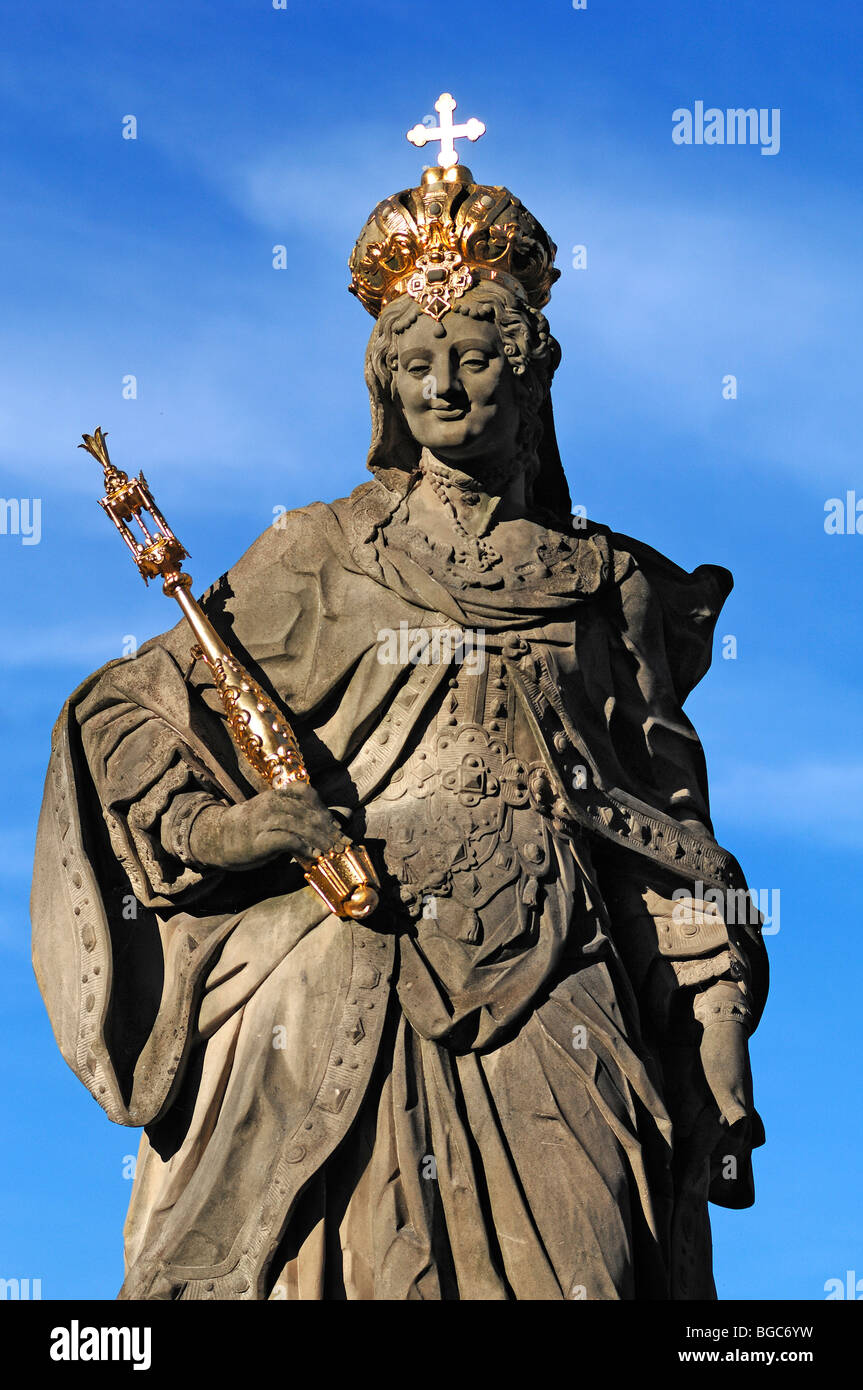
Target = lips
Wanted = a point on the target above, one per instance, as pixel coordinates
(448, 414)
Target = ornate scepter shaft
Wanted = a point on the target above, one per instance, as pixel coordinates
(344, 879)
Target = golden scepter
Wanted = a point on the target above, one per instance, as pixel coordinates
(344, 878)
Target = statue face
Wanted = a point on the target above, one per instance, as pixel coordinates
(457, 389)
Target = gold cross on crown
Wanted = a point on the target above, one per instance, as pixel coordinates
(446, 132)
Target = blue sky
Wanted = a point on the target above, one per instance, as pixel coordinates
(153, 257)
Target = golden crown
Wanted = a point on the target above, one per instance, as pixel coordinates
(435, 241)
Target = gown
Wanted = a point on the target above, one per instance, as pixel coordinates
(501, 1151)
(498, 1124)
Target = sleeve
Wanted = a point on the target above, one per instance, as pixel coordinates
(147, 767)
(689, 964)
(118, 976)
(686, 960)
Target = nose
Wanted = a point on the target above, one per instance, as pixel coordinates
(448, 380)
(444, 375)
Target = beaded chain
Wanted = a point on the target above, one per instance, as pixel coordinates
(479, 553)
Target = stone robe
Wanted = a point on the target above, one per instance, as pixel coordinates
(438, 1105)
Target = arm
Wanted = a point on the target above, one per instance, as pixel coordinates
(203, 831)
(176, 818)
(689, 964)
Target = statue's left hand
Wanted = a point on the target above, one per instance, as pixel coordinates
(724, 1012)
(725, 1059)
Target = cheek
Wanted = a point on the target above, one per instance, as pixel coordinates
(409, 390)
(491, 388)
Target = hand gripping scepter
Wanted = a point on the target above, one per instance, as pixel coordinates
(344, 879)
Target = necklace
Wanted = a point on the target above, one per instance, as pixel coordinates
(476, 553)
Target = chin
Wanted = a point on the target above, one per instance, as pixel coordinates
(452, 438)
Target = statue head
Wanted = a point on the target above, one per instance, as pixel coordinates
(470, 386)
(461, 357)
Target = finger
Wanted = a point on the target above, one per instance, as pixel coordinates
(304, 818)
(306, 841)
(322, 835)
(299, 791)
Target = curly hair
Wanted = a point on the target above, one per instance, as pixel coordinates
(533, 355)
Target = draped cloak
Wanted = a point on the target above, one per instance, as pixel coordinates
(253, 1036)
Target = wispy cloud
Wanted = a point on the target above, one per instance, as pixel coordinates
(811, 802)
(658, 319)
(76, 645)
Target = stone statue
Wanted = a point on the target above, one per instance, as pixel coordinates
(525, 1075)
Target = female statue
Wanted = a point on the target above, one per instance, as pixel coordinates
(526, 1074)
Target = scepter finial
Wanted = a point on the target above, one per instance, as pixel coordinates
(159, 553)
(95, 445)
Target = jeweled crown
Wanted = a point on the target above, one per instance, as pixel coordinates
(436, 241)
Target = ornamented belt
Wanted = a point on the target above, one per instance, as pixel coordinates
(596, 808)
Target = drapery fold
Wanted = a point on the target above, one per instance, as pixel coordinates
(168, 1012)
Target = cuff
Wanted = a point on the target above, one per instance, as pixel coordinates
(177, 822)
(724, 1002)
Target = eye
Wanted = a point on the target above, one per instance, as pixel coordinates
(417, 368)
(475, 361)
